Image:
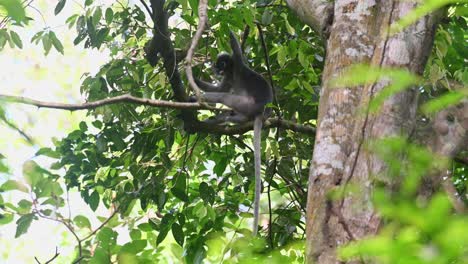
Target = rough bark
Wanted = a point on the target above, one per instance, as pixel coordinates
(359, 34)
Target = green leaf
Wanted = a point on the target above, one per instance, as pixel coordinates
(147, 227)
(32, 173)
(48, 152)
(16, 39)
(59, 6)
(14, 9)
(102, 173)
(82, 221)
(56, 42)
(97, 15)
(4, 37)
(206, 193)
(180, 187)
(125, 257)
(6, 218)
(71, 20)
(23, 224)
(24, 206)
(93, 200)
(14, 185)
(289, 28)
(46, 43)
(134, 247)
(178, 234)
(194, 6)
(109, 15)
(281, 57)
(220, 166)
(37, 37)
(106, 237)
(100, 256)
(442, 102)
(135, 234)
(302, 57)
(164, 227)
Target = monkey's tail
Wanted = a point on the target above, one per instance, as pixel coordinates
(258, 180)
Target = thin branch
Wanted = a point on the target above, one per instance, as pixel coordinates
(13, 126)
(267, 59)
(64, 222)
(101, 226)
(202, 18)
(51, 259)
(126, 98)
(242, 128)
(147, 8)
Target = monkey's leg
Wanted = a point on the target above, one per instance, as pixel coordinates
(208, 87)
(226, 117)
(242, 104)
(219, 118)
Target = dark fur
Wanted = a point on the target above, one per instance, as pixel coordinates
(241, 89)
(246, 93)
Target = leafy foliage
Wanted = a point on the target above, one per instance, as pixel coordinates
(172, 188)
(186, 196)
(416, 231)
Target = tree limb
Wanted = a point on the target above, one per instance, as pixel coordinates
(318, 14)
(202, 18)
(126, 98)
(161, 45)
(195, 126)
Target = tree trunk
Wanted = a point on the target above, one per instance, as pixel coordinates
(358, 34)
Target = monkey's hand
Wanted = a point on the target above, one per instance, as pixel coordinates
(192, 99)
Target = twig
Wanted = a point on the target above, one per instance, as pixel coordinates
(101, 226)
(267, 61)
(54, 257)
(147, 8)
(202, 18)
(78, 260)
(13, 126)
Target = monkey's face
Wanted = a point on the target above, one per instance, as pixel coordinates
(223, 64)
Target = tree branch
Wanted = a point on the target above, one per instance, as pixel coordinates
(101, 226)
(145, 5)
(318, 14)
(202, 18)
(161, 44)
(13, 126)
(51, 259)
(242, 128)
(195, 126)
(126, 98)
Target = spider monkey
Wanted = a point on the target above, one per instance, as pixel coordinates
(246, 93)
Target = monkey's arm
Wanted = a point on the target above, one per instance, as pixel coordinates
(237, 56)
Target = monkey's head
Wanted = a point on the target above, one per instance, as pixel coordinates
(223, 64)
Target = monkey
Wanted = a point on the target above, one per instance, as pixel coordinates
(246, 92)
